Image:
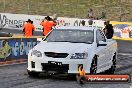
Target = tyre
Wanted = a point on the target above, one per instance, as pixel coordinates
(72, 76)
(81, 80)
(93, 68)
(113, 67)
(33, 74)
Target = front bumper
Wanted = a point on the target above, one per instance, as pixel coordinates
(60, 65)
(50, 67)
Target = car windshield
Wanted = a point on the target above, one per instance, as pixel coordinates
(71, 35)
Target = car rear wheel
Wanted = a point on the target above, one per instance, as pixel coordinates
(93, 68)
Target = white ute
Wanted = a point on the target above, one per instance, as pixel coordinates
(65, 48)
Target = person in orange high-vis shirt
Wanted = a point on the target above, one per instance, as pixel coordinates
(47, 25)
(28, 29)
(81, 77)
(81, 71)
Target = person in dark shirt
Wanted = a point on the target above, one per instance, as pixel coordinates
(90, 22)
(109, 31)
(90, 13)
(83, 23)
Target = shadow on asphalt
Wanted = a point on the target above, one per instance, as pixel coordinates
(55, 77)
(60, 76)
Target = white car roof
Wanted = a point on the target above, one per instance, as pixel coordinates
(77, 27)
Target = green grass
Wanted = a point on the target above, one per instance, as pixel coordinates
(69, 8)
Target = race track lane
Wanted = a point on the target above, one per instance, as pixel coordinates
(124, 46)
(15, 76)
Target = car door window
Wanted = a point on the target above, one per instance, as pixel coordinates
(100, 36)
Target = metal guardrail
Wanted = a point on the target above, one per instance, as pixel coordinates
(4, 34)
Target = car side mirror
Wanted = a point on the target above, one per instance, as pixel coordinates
(101, 43)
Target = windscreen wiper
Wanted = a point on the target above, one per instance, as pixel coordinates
(71, 42)
(81, 42)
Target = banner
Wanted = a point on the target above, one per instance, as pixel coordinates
(118, 78)
(122, 29)
(16, 21)
(16, 48)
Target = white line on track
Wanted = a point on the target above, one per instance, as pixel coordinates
(13, 64)
(125, 54)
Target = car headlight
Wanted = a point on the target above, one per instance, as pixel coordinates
(79, 56)
(36, 53)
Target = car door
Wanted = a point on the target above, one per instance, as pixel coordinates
(101, 50)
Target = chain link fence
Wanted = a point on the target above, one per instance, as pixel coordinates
(119, 10)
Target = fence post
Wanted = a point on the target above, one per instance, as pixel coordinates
(4, 5)
(28, 6)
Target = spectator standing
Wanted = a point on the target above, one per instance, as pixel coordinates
(90, 13)
(103, 15)
(47, 25)
(90, 22)
(28, 28)
(83, 23)
(109, 31)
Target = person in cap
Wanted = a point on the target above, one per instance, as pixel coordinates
(109, 31)
(28, 28)
(47, 25)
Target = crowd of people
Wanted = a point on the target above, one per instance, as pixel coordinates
(91, 15)
(47, 23)
(108, 28)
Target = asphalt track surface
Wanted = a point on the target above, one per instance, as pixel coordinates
(15, 76)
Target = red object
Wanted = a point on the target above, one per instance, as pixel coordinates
(107, 78)
(28, 30)
(47, 25)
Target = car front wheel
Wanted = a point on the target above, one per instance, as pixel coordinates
(113, 67)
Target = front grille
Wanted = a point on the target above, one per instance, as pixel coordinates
(56, 55)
